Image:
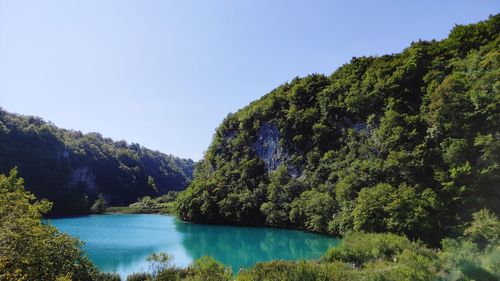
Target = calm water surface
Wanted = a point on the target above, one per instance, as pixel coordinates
(121, 243)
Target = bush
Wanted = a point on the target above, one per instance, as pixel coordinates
(475, 256)
(484, 229)
(361, 248)
(208, 269)
(297, 271)
(140, 277)
(100, 205)
(108, 277)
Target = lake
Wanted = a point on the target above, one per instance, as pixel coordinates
(121, 243)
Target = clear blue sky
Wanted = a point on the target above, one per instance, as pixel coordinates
(165, 73)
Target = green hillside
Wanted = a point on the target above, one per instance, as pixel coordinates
(71, 169)
(407, 143)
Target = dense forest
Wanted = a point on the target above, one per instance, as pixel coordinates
(32, 250)
(72, 169)
(407, 143)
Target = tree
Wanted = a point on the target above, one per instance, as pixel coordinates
(312, 210)
(152, 184)
(100, 205)
(409, 212)
(31, 250)
(484, 229)
(369, 213)
(208, 269)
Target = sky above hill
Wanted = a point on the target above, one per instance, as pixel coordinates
(165, 73)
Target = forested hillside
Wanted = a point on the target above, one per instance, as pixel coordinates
(407, 143)
(71, 169)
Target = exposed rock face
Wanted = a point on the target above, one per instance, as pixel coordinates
(83, 175)
(267, 146)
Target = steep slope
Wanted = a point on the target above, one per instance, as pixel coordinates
(407, 143)
(70, 168)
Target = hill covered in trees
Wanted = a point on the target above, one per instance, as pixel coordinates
(407, 143)
(71, 169)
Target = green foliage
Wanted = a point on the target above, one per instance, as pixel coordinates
(369, 211)
(202, 269)
(404, 210)
(312, 210)
(462, 260)
(70, 168)
(159, 262)
(104, 276)
(297, 271)
(140, 277)
(282, 190)
(164, 204)
(152, 184)
(208, 269)
(100, 205)
(362, 248)
(485, 229)
(30, 250)
(405, 143)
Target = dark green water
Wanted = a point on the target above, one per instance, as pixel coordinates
(121, 243)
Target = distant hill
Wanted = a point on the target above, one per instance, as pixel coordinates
(407, 143)
(70, 168)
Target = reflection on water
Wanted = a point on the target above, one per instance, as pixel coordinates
(121, 243)
(244, 246)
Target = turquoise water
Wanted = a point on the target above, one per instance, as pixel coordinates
(121, 243)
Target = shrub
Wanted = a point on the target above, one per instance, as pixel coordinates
(31, 250)
(140, 277)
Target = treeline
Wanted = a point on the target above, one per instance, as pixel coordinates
(71, 169)
(32, 250)
(407, 143)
